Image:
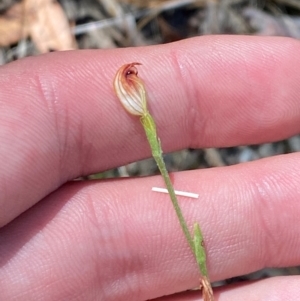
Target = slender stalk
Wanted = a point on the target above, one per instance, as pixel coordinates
(196, 243)
(150, 130)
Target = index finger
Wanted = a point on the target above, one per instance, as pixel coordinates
(60, 119)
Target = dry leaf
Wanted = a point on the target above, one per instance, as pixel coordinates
(48, 25)
(207, 292)
(12, 27)
(43, 20)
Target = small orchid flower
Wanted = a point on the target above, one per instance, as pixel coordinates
(130, 89)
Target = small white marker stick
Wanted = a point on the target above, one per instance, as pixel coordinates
(177, 192)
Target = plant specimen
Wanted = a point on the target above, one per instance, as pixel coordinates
(130, 90)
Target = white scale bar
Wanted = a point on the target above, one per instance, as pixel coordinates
(177, 192)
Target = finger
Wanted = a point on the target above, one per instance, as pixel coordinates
(118, 240)
(279, 288)
(60, 119)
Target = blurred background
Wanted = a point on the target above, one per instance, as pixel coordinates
(31, 27)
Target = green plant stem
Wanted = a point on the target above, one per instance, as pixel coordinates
(196, 243)
(150, 129)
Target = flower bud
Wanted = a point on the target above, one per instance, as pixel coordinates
(130, 89)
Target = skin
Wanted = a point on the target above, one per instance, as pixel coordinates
(115, 239)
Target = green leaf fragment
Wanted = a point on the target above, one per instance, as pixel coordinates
(200, 253)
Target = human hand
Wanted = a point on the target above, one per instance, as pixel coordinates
(115, 239)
